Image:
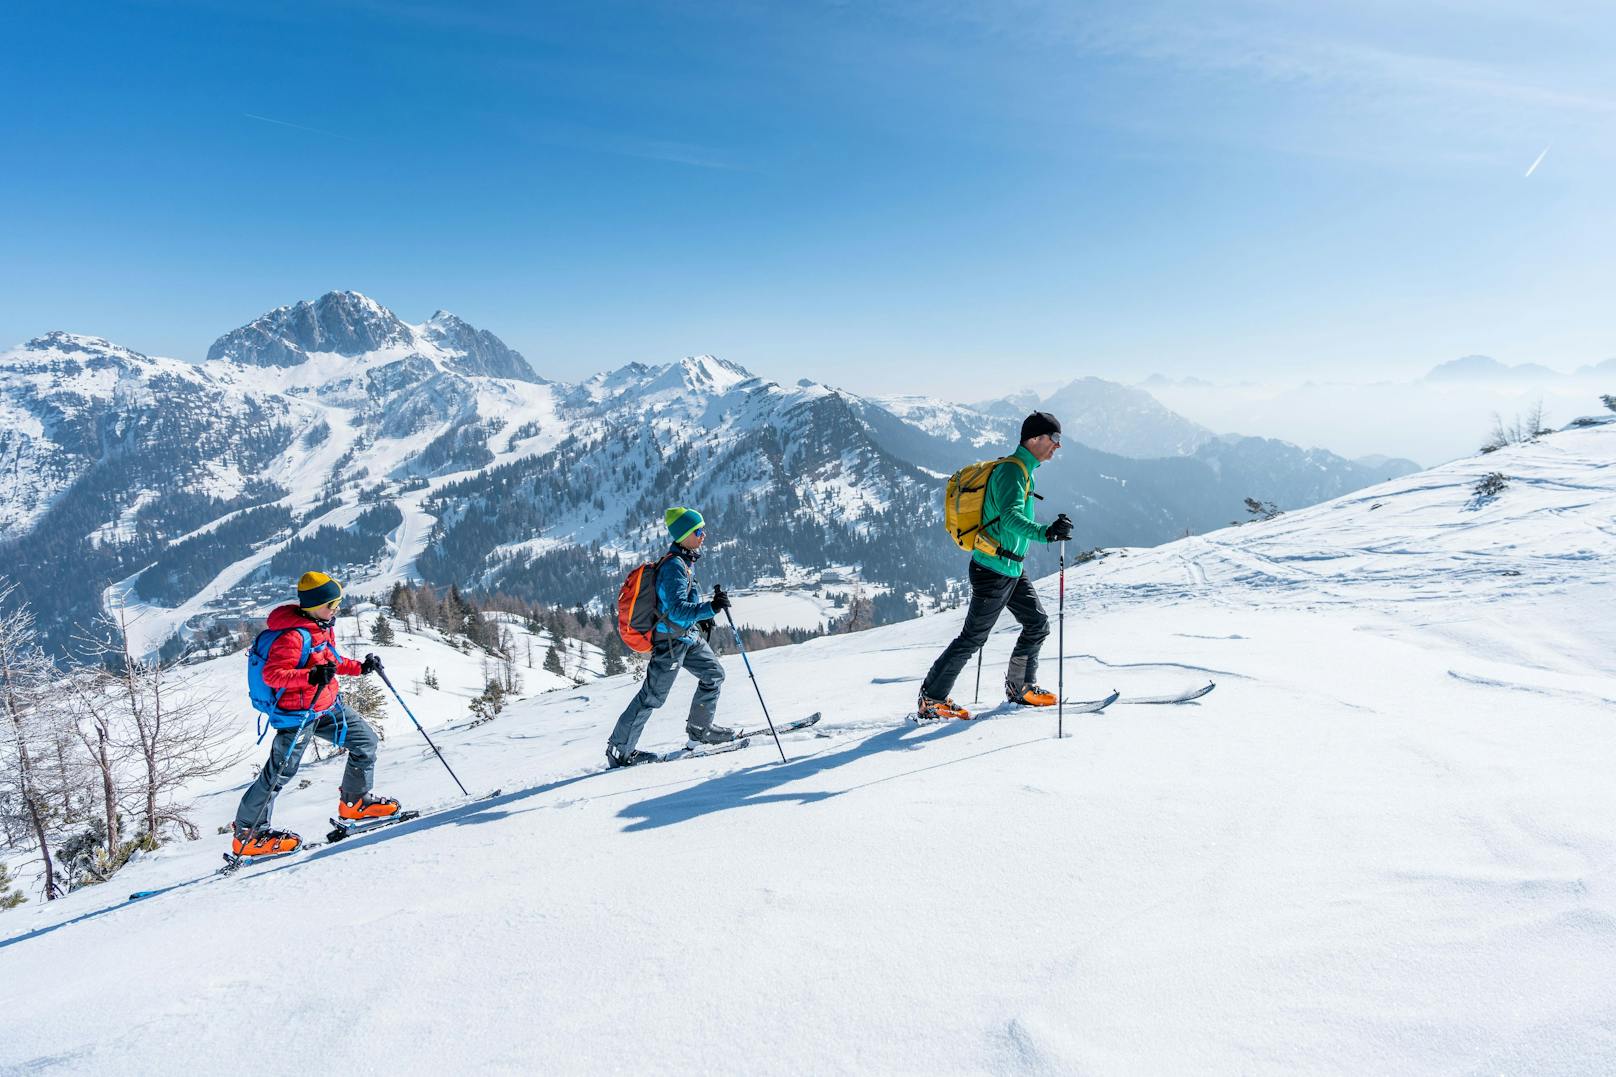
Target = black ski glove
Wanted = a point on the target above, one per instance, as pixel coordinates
(322, 674)
(1060, 530)
(720, 600)
(372, 664)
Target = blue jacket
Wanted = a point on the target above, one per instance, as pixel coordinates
(678, 599)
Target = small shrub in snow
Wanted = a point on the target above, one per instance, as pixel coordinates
(1609, 401)
(1262, 510)
(1487, 488)
(490, 703)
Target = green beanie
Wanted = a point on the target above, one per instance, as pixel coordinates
(681, 522)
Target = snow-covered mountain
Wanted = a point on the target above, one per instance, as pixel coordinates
(349, 324)
(334, 433)
(1381, 845)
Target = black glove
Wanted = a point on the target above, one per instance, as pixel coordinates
(1060, 530)
(322, 674)
(372, 664)
(720, 600)
(707, 624)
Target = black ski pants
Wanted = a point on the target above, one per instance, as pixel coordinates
(991, 592)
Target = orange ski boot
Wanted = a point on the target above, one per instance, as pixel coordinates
(1030, 695)
(367, 807)
(262, 842)
(934, 710)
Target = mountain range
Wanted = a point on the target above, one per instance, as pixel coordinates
(332, 433)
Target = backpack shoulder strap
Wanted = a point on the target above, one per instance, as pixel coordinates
(1026, 474)
(656, 596)
(303, 658)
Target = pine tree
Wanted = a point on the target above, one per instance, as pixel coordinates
(431, 678)
(612, 648)
(367, 700)
(381, 633)
(552, 661)
(9, 898)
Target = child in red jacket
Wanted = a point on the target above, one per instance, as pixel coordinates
(302, 668)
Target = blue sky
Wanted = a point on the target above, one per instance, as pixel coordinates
(938, 197)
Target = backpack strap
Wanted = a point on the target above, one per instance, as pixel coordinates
(656, 596)
(302, 663)
(1016, 460)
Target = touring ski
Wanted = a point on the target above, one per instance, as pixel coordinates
(1073, 706)
(800, 723)
(234, 863)
(1183, 697)
(347, 828)
(1088, 706)
(688, 752)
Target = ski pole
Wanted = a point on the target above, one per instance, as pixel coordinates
(979, 651)
(418, 728)
(1060, 666)
(755, 684)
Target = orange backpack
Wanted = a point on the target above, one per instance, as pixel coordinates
(637, 613)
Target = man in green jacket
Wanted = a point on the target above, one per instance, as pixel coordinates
(997, 581)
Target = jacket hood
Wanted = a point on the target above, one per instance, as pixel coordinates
(289, 616)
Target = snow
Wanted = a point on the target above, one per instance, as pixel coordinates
(1382, 845)
(782, 609)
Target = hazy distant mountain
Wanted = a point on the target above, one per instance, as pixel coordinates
(1486, 368)
(1389, 467)
(1122, 420)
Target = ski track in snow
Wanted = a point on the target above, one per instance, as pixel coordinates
(1382, 845)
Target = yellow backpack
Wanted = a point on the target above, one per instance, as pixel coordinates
(962, 505)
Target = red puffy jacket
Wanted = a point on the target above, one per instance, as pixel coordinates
(281, 670)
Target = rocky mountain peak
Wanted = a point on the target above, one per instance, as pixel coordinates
(476, 351)
(347, 323)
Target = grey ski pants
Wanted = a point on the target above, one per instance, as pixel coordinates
(286, 755)
(667, 656)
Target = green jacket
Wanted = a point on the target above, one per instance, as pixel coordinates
(1009, 498)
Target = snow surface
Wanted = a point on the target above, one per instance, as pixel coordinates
(1382, 845)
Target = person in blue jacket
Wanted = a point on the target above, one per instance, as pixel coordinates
(677, 642)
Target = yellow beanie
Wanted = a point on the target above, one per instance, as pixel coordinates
(316, 589)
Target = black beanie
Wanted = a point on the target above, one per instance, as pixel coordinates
(1038, 423)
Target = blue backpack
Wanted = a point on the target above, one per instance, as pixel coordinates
(266, 700)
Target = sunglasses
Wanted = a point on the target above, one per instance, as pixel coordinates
(1056, 439)
(700, 531)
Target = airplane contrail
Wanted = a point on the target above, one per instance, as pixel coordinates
(300, 127)
(1537, 162)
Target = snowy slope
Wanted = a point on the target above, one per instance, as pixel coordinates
(1382, 845)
